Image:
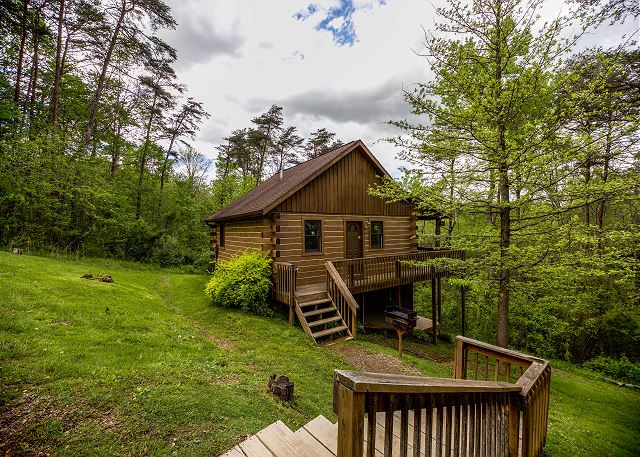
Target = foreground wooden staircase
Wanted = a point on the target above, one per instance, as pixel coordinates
(318, 438)
(497, 405)
(319, 316)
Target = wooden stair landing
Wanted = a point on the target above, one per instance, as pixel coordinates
(318, 315)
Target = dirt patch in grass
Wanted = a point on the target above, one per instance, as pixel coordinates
(376, 362)
(20, 419)
(220, 342)
(416, 348)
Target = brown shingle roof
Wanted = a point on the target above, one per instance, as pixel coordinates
(269, 193)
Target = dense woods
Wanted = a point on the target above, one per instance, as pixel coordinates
(96, 130)
(531, 153)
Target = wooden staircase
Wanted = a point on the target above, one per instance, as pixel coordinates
(318, 438)
(319, 316)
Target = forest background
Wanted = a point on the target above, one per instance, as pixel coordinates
(528, 149)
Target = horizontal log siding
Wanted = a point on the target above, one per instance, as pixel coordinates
(254, 234)
(343, 189)
(399, 238)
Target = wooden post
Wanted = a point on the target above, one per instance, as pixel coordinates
(350, 422)
(433, 311)
(514, 423)
(439, 295)
(462, 303)
(460, 360)
(438, 232)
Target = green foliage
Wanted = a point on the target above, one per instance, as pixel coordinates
(621, 369)
(242, 282)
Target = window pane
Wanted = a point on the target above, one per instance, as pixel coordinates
(312, 236)
(376, 234)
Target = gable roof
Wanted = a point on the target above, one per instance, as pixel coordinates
(270, 193)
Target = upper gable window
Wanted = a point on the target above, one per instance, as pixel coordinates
(377, 234)
(312, 236)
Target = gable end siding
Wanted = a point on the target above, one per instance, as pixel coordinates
(343, 189)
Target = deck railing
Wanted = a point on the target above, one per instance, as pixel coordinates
(284, 285)
(372, 273)
(437, 416)
(475, 359)
(342, 298)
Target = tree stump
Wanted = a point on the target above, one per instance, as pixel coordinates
(281, 387)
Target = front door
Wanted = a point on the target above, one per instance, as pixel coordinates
(354, 239)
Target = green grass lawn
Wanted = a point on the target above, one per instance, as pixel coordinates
(147, 366)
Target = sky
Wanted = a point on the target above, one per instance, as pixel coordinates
(337, 64)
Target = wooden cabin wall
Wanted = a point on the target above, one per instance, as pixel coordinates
(240, 236)
(398, 238)
(343, 189)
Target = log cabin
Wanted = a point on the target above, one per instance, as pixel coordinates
(340, 255)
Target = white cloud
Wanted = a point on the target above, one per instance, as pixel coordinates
(240, 57)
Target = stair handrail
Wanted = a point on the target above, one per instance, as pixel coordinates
(285, 277)
(534, 379)
(341, 296)
(487, 408)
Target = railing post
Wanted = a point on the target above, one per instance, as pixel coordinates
(460, 360)
(350, 421)
(514, 424)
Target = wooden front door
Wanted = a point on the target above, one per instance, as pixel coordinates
(354, 240)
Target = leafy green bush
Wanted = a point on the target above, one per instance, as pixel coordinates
(242, 282)
(621, 369)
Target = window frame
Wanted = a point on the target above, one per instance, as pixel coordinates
(221, 239)
(306, 251)
(381, 234)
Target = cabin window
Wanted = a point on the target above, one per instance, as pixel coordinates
(222, 235)
(312, 236)
(377, 234)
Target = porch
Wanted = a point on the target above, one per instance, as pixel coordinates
(497, 404)
(317, 306)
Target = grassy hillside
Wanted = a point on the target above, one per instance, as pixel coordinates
(147, 366)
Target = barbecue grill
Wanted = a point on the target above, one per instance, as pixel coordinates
(402, 319)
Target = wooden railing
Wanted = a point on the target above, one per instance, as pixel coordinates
(475, 360)
(342, 298)
(284, 285)
(372, 273)
(407, 415)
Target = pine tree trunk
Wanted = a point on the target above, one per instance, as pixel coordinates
(91, 123)
(143, 157)
(55, 90)
(33, 81)
(23, 44)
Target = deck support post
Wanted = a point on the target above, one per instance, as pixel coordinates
(434, 316)
(463, 306)
(350, 424)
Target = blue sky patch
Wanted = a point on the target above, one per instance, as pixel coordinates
(338, 20)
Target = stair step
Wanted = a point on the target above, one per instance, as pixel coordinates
(279, 439)
(314, 302)
(328, 320)
(319, 311)
(253, 447)
(329, 331)
(316, 448)
(325, 432)
(338, 340)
